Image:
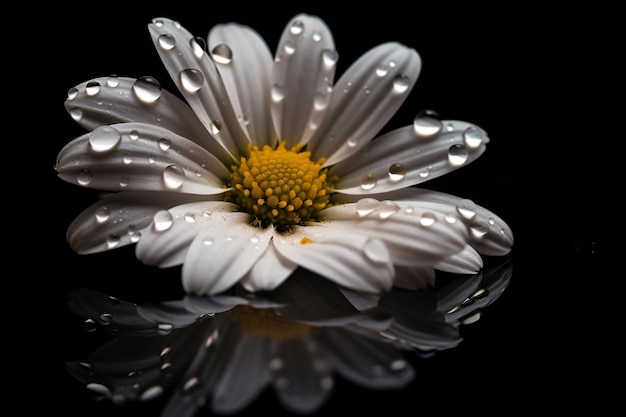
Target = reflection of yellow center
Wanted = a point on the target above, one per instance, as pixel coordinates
(265, 322)
(280, 186)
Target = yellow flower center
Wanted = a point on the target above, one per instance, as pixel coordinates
(280, 187)
(266, 323)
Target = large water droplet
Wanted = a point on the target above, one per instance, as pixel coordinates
(278, 93)
(368, 181)
(473, 137)
(396, 172)
(401, 84)
(222, 54)
(191, 79)
(72, 93)
(479, 230)
(104, 138)
(103, 214)
(387, 208)
(76, 114)
(428, 219)
(466, 208)
(197, 47)
(289, 48)
(366, 206)
(147, 89)
(167, 42)
(113, 240)
(427, 124)
(163, 220)
(382, 70)
(190, 217)
(164, 144)
(92, 88)
(173, 177)
(329, 58)
(84, 177)
(296, 28)
(113, 81)
(457, 154)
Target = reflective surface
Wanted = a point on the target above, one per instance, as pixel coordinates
(222, 352)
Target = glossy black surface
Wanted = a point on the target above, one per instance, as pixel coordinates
(528, 77)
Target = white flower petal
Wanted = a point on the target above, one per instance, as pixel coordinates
(137, 156)
(222, 254)
(414, 235)
(108, 100)
(244, 62)
(195, 75)
(414, 277)
(489, 234)
(304, 69)
(467, 261)
(271, 270)
(119, 219)
(352, 260)
(364, 99)
(401, 158)
(165, 243)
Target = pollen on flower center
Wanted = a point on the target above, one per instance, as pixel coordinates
(279, 186)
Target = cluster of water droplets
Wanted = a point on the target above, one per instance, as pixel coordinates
(367, 207)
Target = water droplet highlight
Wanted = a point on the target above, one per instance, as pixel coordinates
(473, 137)
(173, 177)
(457, 155)
(368, 181)
(84, 177)
(92, 88)
(167, 42)
(401, 84)
(104, 138)
(147, 89)
(162, 220)
(427, 124)
(222, 54)
(366, 206)
(466, 208)
(296, 28)
(387, 208)
(428, 219)
(191, 80)
(396, 172)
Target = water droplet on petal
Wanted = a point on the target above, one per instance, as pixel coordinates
(289, 48)
(98, 389)
(167, 42)
(191, 80)
(72, 93)
(147, 89)
(387, 208)
(104, 138)
(208, 241)
(368, 181)
(329, 58)
(197, 47)
(382, 70)
(76, 114)
(164, 144)
(84, 177)
(113, 81)
(128, 158)
(163, 220)
(278, 93)
(401, 84)
(375, 250)
(216, 127)
(457, 155)
(321, 100)
(473, 137)
(366, 206)
(466, 208)
(428, 219)
(113, 240)
(222, 54)
(396, 172)
(190, 217)
(103, 214)
(173, 177)
(296, 28)
(317, 37)
(427, 124)
(479, 230)
(134, 135)
(92, 88)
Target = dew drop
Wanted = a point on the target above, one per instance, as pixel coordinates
(491, 221)
(113, 240)
(104, 138)
(163, 220)
(289, 48)
(457, 154)
(208, 241)
(450, 218)
(128, 158)
(106, 318)
(352, 142)
(296, 28)
(387, 209)
(428, 219)
(320, 101)
(222, 54)
(151, 392)
(190, 217)
(167, 42)
(473, 137)
(147, 89)
(72, 93)
(329, 58)
(479, 230)
(382, 70)
(366, 206)
(164, 144)
(374, 250)
(103, 214)
(317, 37)
(113, 81)
(466, 208)
(76, 114)
(134, 135)
(396, 172)
(427, 124)
(196, 47)
(84, 177)
(92, 88)
(368, 181)
(173, 177)
(278, 93)
(191, 80)
(216, 127)
(401, 84)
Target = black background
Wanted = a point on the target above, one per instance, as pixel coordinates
(542, 83)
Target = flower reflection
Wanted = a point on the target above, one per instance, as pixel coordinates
(224, 351)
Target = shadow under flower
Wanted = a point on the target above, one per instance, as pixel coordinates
(223, 351)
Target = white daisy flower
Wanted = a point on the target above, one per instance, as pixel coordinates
(269, 164)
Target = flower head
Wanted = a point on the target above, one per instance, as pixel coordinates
(269, 164)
